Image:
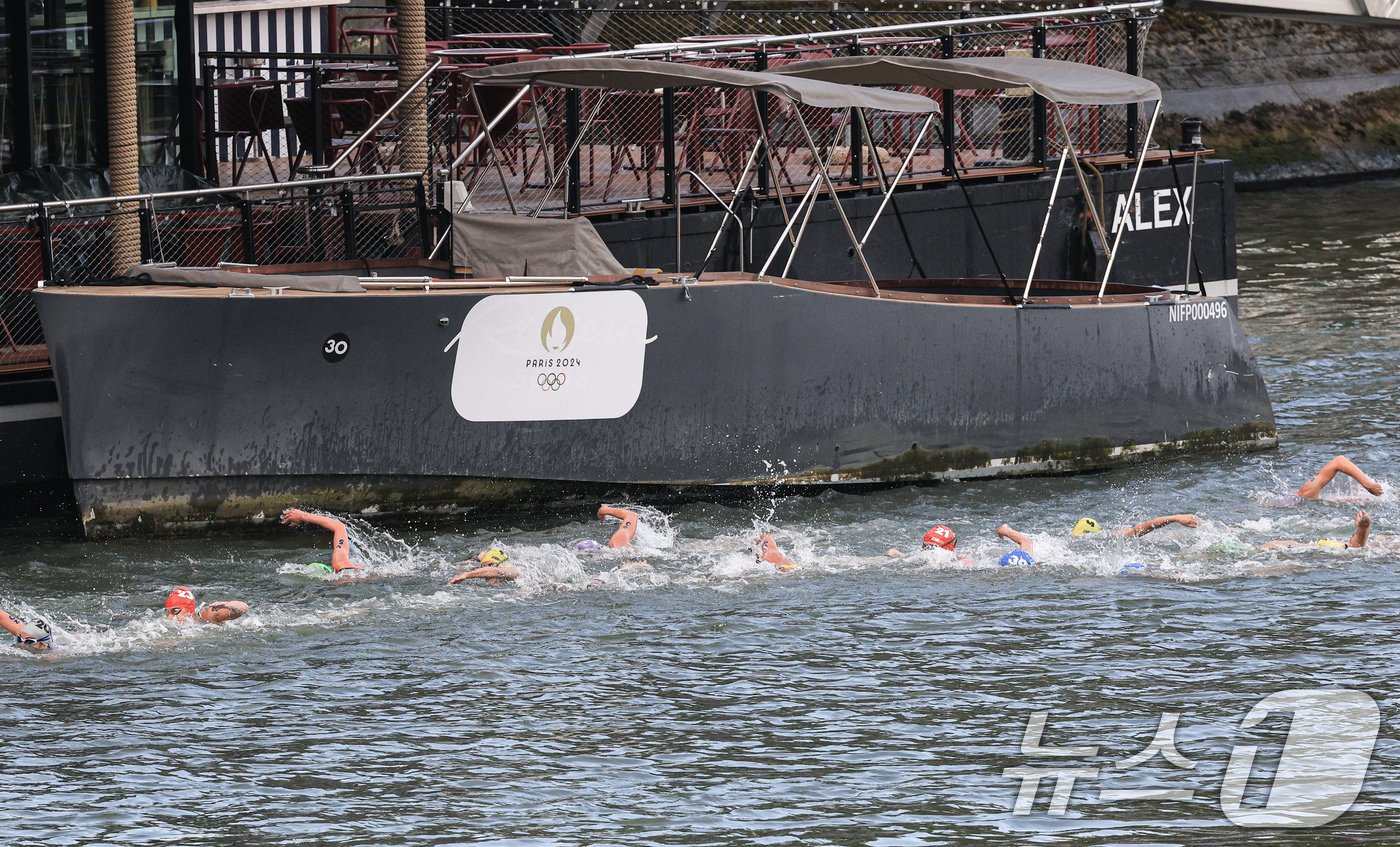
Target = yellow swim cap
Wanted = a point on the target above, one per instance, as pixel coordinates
(1085, 525)
(1329, 544)
(494, 556)
(787, 566)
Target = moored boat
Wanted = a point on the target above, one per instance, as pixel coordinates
(555, 368)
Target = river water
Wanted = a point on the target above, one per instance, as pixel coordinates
(858, 700)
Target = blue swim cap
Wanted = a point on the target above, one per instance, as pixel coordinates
(586, 545)
(1134, 566)
(1016, 557)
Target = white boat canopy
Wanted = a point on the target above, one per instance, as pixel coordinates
(1053, 79)
(647, 75)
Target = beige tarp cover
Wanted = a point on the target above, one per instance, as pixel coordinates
(498, 246)
(646, 75)
(1053, 79)
(216, 278)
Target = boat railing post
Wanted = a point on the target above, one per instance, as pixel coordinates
(573, 190)
(1039, 128)
(347, 215)
(1131, 41)
(144, 219)
(950, 126)
(1132, 197)
(668, 145)
(420, 200)
(318, 122)
(761, 115)
(211, 152)
(318, 223)
(1191, 228)
(857, 144)
(739, 185)
(245, 218)
(46, 243)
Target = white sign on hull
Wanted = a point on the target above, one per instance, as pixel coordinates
(550, 357)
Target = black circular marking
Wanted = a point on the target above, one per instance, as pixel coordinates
(336, 347)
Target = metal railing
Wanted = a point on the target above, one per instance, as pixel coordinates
(367, 216)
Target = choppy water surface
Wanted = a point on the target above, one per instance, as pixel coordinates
(859, 700)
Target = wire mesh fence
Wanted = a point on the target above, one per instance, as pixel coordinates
(272, 114)
(379, 217)
(622, 137)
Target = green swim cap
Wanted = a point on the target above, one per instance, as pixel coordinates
(321, 566)
(1231, 547)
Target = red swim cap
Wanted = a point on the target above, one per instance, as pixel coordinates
(941, 537)
(181, 598)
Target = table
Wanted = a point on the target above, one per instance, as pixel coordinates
(481, 54)
(379, 92)
(504, 37)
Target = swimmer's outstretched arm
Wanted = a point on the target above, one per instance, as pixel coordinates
(1019, 539)
(1312, 489)
(486, 572)
(11, 625)
(626, 532)
(1157, 523)
(223, 611)
(1363, 530)
(340, 540)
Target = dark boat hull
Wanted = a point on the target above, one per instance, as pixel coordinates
(225, 409)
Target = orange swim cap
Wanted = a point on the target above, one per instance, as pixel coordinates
(180, 601)
(941, 537)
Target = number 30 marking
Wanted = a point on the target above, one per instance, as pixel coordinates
(336, 347)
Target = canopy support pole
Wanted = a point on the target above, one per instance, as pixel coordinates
(569, 157)
(1094, 211)
(812, 189)
(1132, 195)
(798, 213)
(491, 145)
(773, 168)
(836, 201)
(903, 168)
(1045, 224)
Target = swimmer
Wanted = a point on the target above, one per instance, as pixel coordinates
(1356, 542)
(181, 606)
(939, 537)
(1026, 547)
(340, 539)
(625, 533)
(766, 550)
(493, 569)
(32, 635)
(1312, 489)
(1089, 526)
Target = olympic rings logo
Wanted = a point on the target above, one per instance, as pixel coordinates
(550, 382)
